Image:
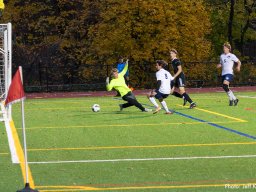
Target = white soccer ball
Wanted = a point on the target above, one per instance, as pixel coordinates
(96, 108)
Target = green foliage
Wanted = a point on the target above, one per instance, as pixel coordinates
(64, 33)
(244, 29)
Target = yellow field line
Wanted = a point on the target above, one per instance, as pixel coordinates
(21, 156)
(141, 147)
(67, 187)
(126, 125)
(225, 186)
(219, 114)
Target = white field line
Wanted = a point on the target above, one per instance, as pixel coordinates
(11, 142)
(145, 159)
(244, 96)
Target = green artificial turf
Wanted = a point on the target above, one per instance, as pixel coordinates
(61, 130)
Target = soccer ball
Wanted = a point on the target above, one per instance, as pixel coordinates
(96, 108)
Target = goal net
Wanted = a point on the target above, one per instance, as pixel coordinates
(5, 63)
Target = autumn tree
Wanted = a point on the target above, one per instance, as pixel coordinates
(234, 21)
(46, 34)
(145, 30)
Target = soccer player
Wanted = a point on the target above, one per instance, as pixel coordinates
(120, 67)
(227, 60)
(118, 83)
(179, 79)
(163, 88)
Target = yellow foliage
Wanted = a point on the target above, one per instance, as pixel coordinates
(146, 30)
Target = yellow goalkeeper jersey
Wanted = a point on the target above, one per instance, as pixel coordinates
(1, 4)
(119, 83)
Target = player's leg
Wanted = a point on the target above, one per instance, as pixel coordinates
(175, 93)
(225, 85)
(181, 84)
(131, 99)
(151, 98)
(161, 98)
(187, 97)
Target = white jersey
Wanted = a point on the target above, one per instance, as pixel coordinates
(227, 62)
(166, 79)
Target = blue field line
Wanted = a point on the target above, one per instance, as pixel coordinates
(209, 123)
(217, 126)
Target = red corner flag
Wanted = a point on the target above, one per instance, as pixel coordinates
(16, 91)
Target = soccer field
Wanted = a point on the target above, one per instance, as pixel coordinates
(71, 148)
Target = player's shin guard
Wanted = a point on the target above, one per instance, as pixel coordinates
(229, 92)
(163, 103)
(226, 88)
(186, 96)
(153, 101)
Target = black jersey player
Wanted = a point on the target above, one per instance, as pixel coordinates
(179, 79)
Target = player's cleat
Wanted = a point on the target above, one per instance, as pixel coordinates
(147, 110)
(184, 101)
(236, 102)
(192, 105)
(169, 113)
(231, 102)
(121, 107)
(157, 110)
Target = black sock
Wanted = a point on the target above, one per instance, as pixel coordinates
(176, 94)
(185, 95)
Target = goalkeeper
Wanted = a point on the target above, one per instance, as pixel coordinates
(118, 83)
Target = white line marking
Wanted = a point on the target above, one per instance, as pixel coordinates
(11, 142)
(146, 159)
(244, 96)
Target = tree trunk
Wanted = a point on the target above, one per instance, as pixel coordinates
(243, 32)
(230, 22)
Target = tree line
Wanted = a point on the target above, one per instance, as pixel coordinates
(64, 33)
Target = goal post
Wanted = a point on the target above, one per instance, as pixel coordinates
(5, 63)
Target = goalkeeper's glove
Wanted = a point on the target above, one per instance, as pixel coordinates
(107, 80)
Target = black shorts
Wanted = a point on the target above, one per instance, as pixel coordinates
(160, 95)
(180, 81)
(227, 77)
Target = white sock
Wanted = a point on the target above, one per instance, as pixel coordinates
(163, 103)
(231, 95)
(153, 101)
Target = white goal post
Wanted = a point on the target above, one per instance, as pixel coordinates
(5, 63)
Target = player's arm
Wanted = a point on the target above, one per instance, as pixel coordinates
(238, 68)
(125, 69)
(158, 85)
(237, 61)
(109, 85)
(178, 72)
(220, 64)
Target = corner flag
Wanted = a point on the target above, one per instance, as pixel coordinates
(16, 91)
(15, 94)
(1, 4)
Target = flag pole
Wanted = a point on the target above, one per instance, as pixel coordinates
(27, 187)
